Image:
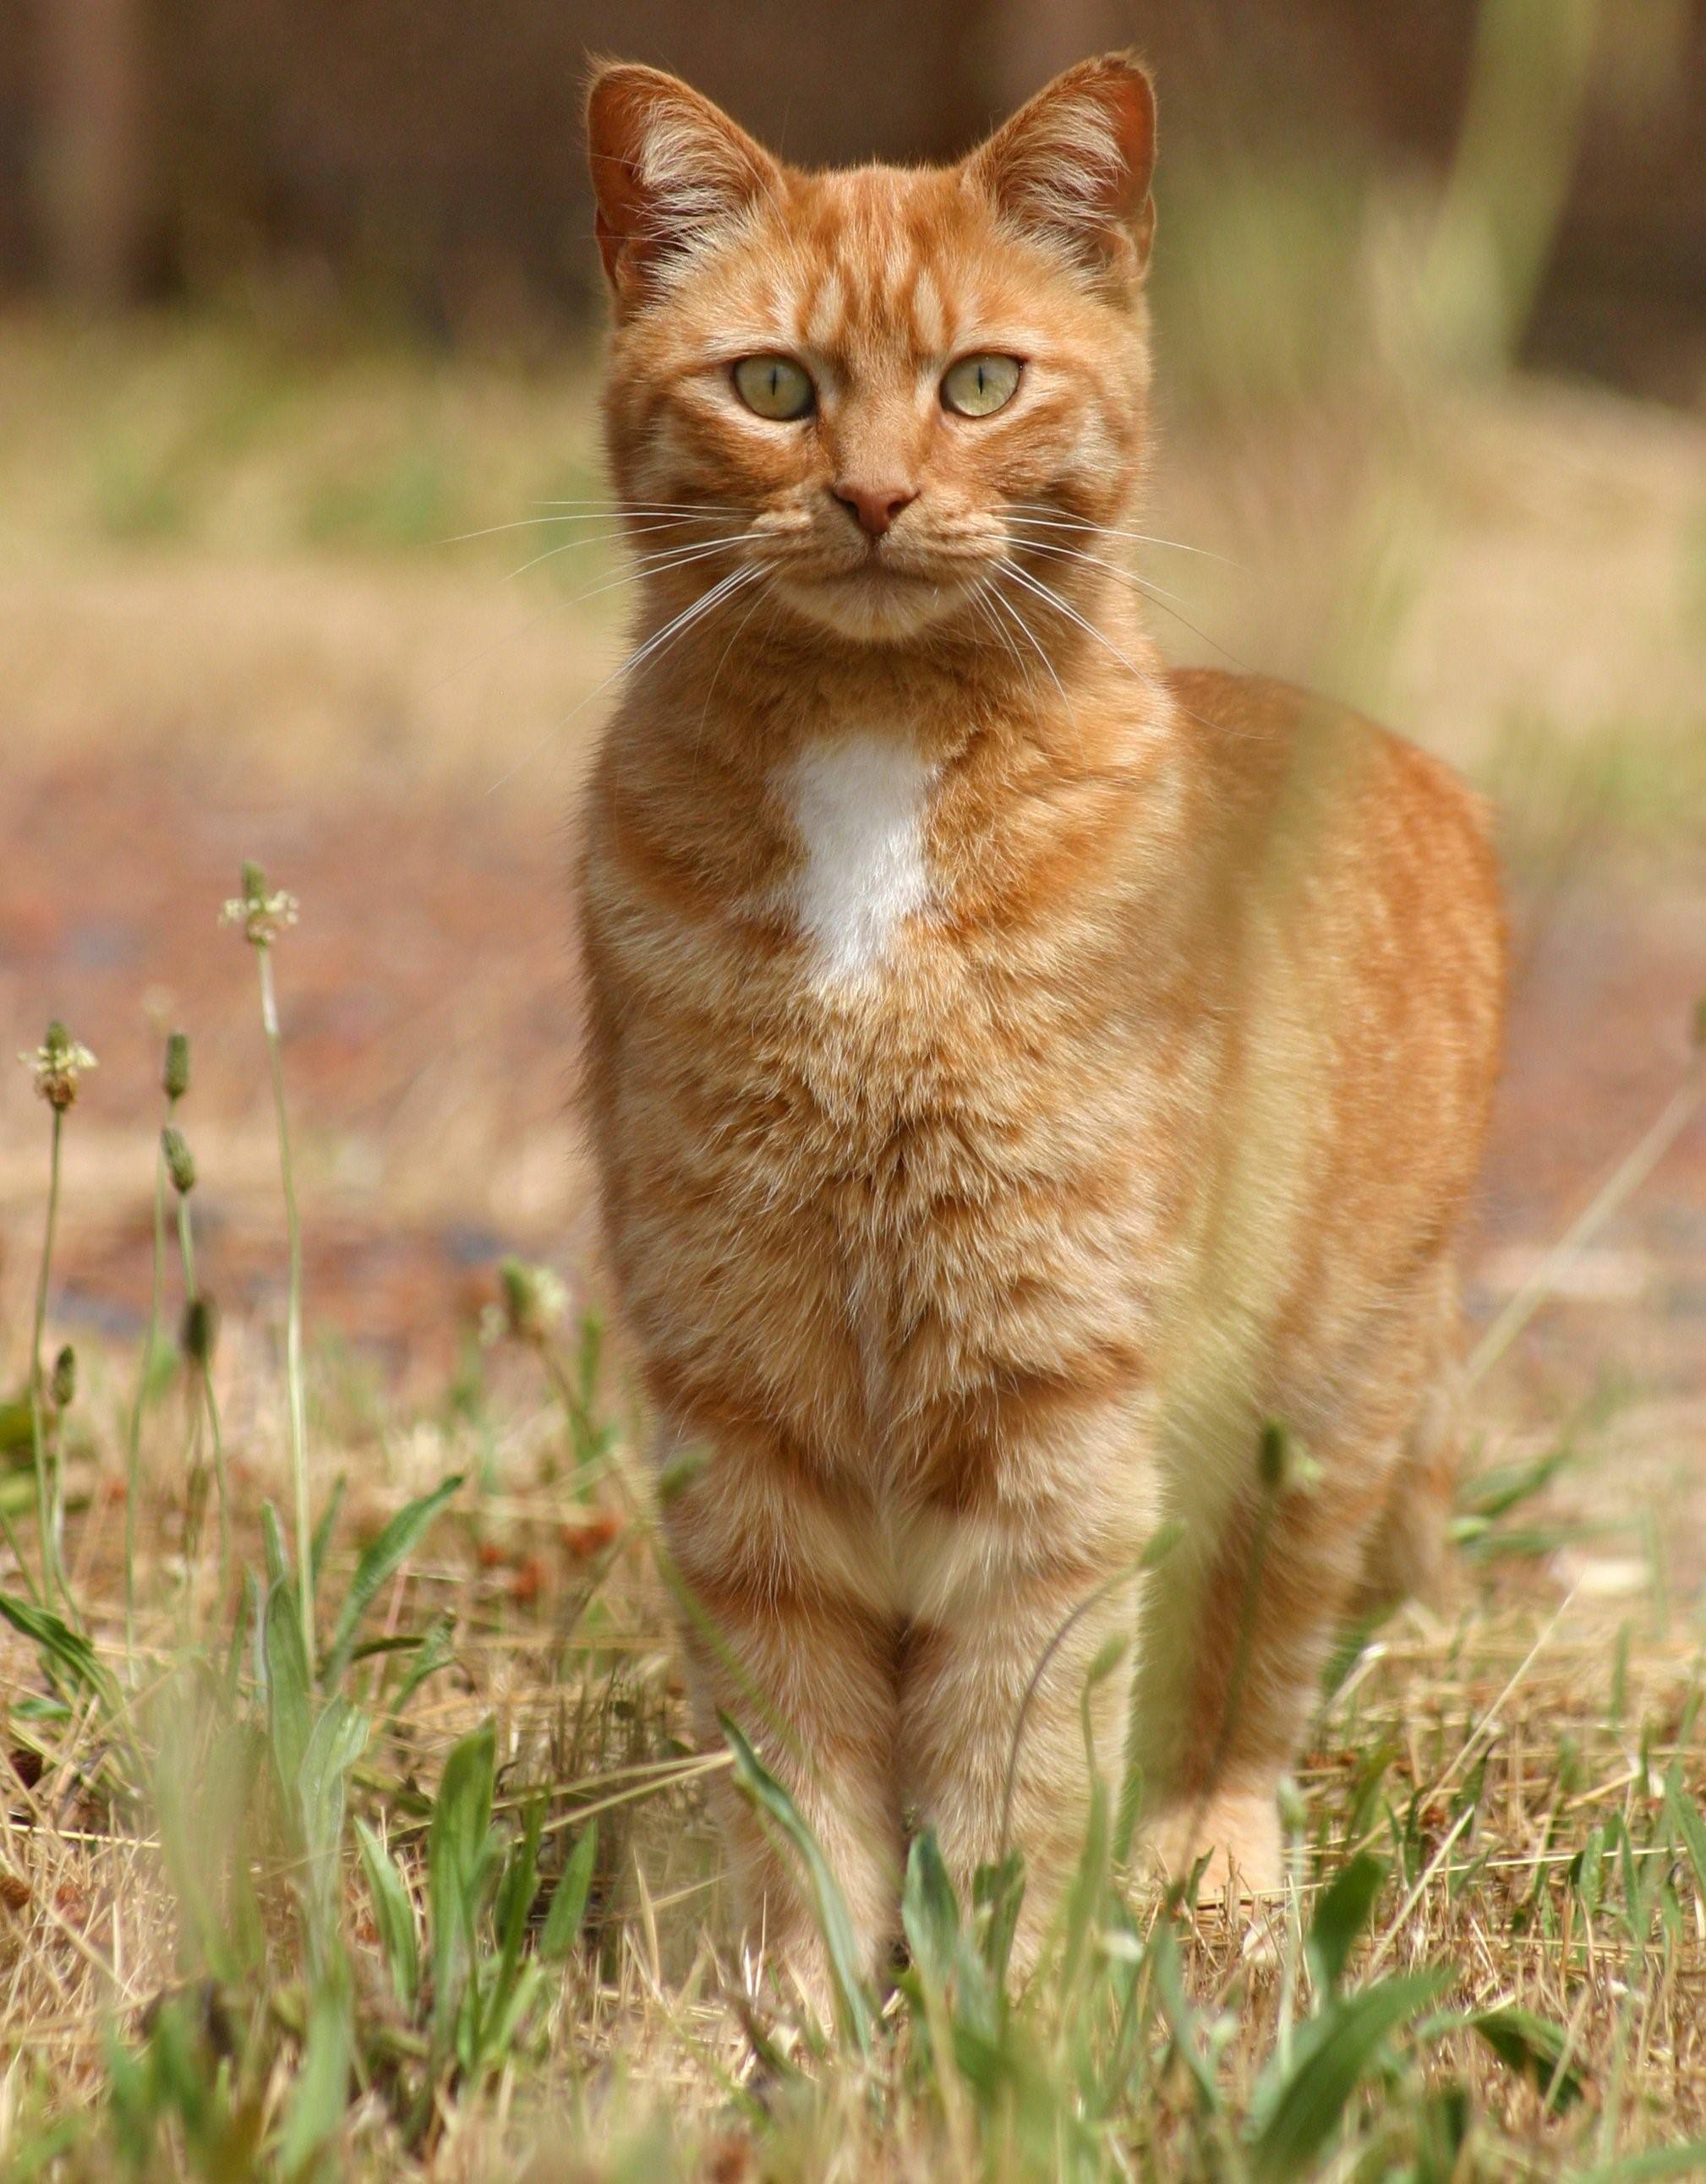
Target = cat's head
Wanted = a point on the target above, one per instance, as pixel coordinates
(882, 383)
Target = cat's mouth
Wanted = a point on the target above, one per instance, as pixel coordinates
(878, 569)
(884, 593)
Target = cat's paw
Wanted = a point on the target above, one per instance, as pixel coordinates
(1236, 1831)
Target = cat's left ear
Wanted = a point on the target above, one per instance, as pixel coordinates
(670, 171)
(1072, 166)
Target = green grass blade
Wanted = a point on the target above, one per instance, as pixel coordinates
(997, 1891)
(930, 1911)
(456, 1867)
(62, 1648)
(334, 1744)
(327, 1526)
(320, 2098)
(569, 1899)
(853, 2002)
(434, 1652)
(289, 1712)
(379, 1561)
(393, 1915)
(1180, 2018)
(1535, 2047)
(1087, 1889)
(272, 1547)
(1340, 1916)
(1689, 2160)
(1685, 1815)
(1310, 2102)
(515, 1892)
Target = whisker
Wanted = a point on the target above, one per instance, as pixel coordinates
(1036, 646)
(631, 575)
(647, 507)
(1053, 598)
(663, 518)
(660, 565)
(690, 614)
(980, 599)
(1036, 512)
(641, 561)
(1157, 594)
(1062, 603)
(655, 563)
(1150, 591)
(722, 589)
(711, 686)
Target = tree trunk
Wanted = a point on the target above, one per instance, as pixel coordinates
(94, 182)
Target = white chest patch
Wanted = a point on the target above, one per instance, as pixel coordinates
(860, 804)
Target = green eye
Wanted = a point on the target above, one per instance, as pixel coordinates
(978, 385)
(774, 387)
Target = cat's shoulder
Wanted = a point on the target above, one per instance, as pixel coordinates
(1255, 732)
(1254, 722)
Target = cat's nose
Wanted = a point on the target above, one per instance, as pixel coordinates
(873, 507)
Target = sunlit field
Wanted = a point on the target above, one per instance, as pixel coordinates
(405, 1871)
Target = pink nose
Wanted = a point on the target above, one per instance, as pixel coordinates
(874, 507)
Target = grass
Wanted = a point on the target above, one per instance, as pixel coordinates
(226, 433)
(424, 1886)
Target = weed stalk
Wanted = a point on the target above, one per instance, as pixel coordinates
(57, 1064)
(175, 1082)
(263, 916)
(47, 1494)
(198, 1339)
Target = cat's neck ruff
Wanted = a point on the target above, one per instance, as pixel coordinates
(860, 804)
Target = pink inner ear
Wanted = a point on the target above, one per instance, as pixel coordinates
(1077, 159)
(617, 212)
(616, 114)
(665, 164)
(1131, 108)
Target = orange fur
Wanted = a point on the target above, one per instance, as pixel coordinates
(1017, 1071)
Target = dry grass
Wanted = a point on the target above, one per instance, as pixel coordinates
(1524, 1768)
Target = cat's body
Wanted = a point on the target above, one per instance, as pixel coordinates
(1017, 1074)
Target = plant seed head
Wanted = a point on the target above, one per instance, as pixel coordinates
(1273, 1456)
(199, 1330)
(174, 1078)
(262, 914)
(179, 1161)
(63, 1384)
(534, 1300)
(56, 1064)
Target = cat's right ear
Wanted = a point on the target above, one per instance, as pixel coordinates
(1073, 168)
(669, 171)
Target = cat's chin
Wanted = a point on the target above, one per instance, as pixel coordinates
(877, 606)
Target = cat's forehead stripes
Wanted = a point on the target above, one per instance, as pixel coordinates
(821, 311)
(878, 264)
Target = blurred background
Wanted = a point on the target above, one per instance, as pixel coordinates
(296, 295)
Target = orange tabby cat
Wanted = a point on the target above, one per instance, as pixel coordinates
(1018, 1070)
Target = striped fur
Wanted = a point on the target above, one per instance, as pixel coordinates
(1016, 1071)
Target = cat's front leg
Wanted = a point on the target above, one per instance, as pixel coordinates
(785, 1631)
(996, 1688)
